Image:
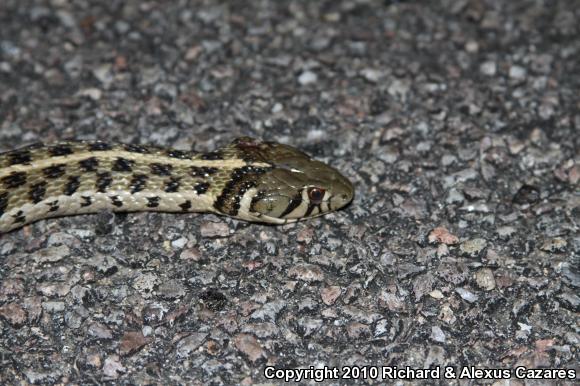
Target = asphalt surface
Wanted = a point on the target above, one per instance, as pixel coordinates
(457, 121)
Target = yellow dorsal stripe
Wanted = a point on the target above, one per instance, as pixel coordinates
(137, 157)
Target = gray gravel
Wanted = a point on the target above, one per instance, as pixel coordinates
(457, 121)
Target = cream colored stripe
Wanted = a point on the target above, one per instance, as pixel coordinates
(71, 205)
(137, 157)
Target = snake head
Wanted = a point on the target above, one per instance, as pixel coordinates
(292, 186)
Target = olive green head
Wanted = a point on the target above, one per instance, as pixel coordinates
(293, 186)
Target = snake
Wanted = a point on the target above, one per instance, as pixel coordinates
(248, 179)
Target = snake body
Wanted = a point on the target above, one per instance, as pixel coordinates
(249, 179)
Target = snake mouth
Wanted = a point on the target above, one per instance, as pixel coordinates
(307, 202)
(264, 218)
(298, 209)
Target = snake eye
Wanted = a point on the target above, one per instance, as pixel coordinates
(316, 195)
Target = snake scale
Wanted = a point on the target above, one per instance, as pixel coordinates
(249, 179)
